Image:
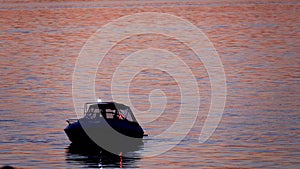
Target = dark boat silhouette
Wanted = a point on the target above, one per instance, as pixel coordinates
(105, 123)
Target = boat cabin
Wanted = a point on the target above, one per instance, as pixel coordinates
(108, 110)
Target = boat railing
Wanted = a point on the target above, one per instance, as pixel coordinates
(70, 121)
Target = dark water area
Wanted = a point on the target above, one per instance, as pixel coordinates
(258, 44)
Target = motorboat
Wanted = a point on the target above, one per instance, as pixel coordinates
(104, 121)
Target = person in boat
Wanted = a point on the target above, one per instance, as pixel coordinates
(118, 116)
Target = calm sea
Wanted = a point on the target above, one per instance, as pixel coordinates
(258, 44)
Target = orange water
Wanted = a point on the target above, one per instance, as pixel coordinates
(258, 43)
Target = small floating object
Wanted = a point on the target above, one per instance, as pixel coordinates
(99, 118)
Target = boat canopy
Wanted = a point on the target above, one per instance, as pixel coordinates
(108, 110)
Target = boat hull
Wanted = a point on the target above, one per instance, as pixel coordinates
(104, 133)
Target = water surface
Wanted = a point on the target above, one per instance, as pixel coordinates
(258, 44)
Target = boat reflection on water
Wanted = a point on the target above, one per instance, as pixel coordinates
(96, 157)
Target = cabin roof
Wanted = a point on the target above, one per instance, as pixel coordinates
(107, 105)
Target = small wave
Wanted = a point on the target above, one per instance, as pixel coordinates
(7, 121)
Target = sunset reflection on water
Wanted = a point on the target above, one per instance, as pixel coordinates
(258, 44)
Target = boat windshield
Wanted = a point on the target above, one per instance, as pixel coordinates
(109, 111)
(127, 114)
(93, 112)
